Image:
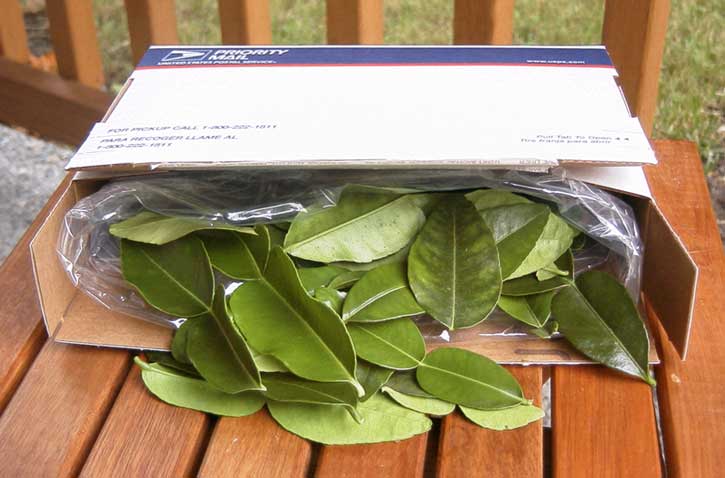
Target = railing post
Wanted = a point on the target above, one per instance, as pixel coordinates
(483, 22)
(634, 33)
(13, 38)
(352, 22)
(245, 22)
(150, 22)
(73, 32)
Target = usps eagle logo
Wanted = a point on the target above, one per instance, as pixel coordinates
(186, 55)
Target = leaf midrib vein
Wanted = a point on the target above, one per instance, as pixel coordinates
(503, 392)
(364, 329)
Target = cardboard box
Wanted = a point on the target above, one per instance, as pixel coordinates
(528, 108)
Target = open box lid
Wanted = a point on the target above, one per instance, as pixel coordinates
(369, 107)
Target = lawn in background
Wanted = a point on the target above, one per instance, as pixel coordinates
(692, 84)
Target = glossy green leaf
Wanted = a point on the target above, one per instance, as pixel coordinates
(220, 353)
(555, 240)
(382, 420)
(484, 199)
(267, 363)
(550, 271)
(167, 360)
(279, 318)
(276, 235)
(176, 278)
(152, 228)
(288, 388)
(314, 277)
(181, 390)
(400, 256)
(239, 256)
(330, 297)
(382, 294)
(533, 310)
(600, 320)
(345, 280)
(395, 344)
(366, 224)
(453, 266)
(506, 419)
(468, 379)
(530, 284)
(406, 382)
(429, 406)
(372, 377)
(178, 343)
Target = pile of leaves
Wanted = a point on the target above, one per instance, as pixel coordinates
(314, 318)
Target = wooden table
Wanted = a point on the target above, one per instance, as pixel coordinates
(70, 410)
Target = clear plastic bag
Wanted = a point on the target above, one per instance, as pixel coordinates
(90, 255)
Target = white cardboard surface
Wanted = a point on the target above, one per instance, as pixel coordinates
(369, 106)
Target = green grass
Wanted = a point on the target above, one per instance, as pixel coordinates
(691, 103)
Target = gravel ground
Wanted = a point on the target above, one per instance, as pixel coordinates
(31, 170)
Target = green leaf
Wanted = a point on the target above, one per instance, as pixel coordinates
(400, 256)
(178, 343)
(548, 331)
(552, 270)
(346, 280)
(484, 199)
(453, 266)
(366, 224)
(406, 382)
(167, 360)
(314, 277)
(469, 379)
(600, 320)
(267, 363)
(152, 228)
(219, 352)
(395, 344)
(239, 256)
(279, 318)
(181, 390)
(331, 298)
(506, 419)
(382, 420)
(555, 239)
(288, 388)
(176, 278)
(429, 406)
(530, 284)
(371, 377)
(382, 294)
(533, 310)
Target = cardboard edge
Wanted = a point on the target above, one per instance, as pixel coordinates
(661, 294)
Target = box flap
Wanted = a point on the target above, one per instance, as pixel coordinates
(500, 107)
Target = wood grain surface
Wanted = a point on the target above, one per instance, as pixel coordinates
(245, 22)
(13, 38)
(477, 22)
(354, 22)
(692, 393)
(603, 423)
(58, 109)
(254, 446)
(401, 459)
(73, 32)
(144, 436)
(23, 333)
(54, 417)
(465, 449)
(150, 22)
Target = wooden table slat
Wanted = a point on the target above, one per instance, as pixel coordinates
(254, 446)
(143, 436)
(691, 392)
(400, 459)
(54, 417)
(465, 449)
(23, 333)
(602, 420)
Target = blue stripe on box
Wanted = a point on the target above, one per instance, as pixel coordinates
(337, 56)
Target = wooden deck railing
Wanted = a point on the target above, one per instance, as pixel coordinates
(634, 33)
